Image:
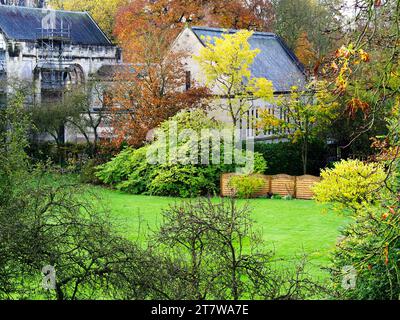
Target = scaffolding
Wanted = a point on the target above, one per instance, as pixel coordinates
(54, 56)
(3, 77)
(2, 60)
(3, 69)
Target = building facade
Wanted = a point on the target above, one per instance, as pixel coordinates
(51, 49)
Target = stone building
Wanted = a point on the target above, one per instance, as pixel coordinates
(52, 49)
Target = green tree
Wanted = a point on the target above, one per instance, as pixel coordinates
(366, 75)
(305, 112)
(51, 118)
(316, 18)
(89, 109)
(13, 174)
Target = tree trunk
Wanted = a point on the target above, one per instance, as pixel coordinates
(60, 144)
(96, 139)
(59, 293)
(304, 156)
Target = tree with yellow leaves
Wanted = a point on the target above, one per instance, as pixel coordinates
(305, 113)
(104, 12)
(226, 63)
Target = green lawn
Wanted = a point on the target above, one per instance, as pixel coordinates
(289, 227)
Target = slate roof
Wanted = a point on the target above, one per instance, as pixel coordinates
(24, 24)
(276, 61)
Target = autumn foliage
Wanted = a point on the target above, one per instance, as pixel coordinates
(170, 17)
(305, 51)
(154, 85)
(103, 12)
(151, 90)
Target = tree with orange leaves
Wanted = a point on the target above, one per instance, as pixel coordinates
(305, 51)
(170, 16)
(151, 90)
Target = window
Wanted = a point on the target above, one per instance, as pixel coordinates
(188, 80)
(3, 99)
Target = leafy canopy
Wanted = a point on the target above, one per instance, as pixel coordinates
(226, 64)
(306, 113)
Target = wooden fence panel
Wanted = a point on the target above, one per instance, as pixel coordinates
(266, 188)
(304, 185)
(227, 191)
(283, 185)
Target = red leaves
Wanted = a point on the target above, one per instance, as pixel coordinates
(343, 52)
(305, 51)
(145, 29)
(355, 105)
(385, 216)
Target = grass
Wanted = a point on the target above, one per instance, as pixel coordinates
(291, 228)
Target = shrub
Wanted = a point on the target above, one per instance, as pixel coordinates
(119, 168)
(260, 165)
(89, 171)
(285, 157)
(350, 184)
(246, 186)
(131, 171)
(207, 241)
(140, 174)
(370, 242)
(185, 181)
(370, 245)
(61, 154)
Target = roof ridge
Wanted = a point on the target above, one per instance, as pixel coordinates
(230, 30)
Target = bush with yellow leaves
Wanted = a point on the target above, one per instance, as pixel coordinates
(350, 184)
